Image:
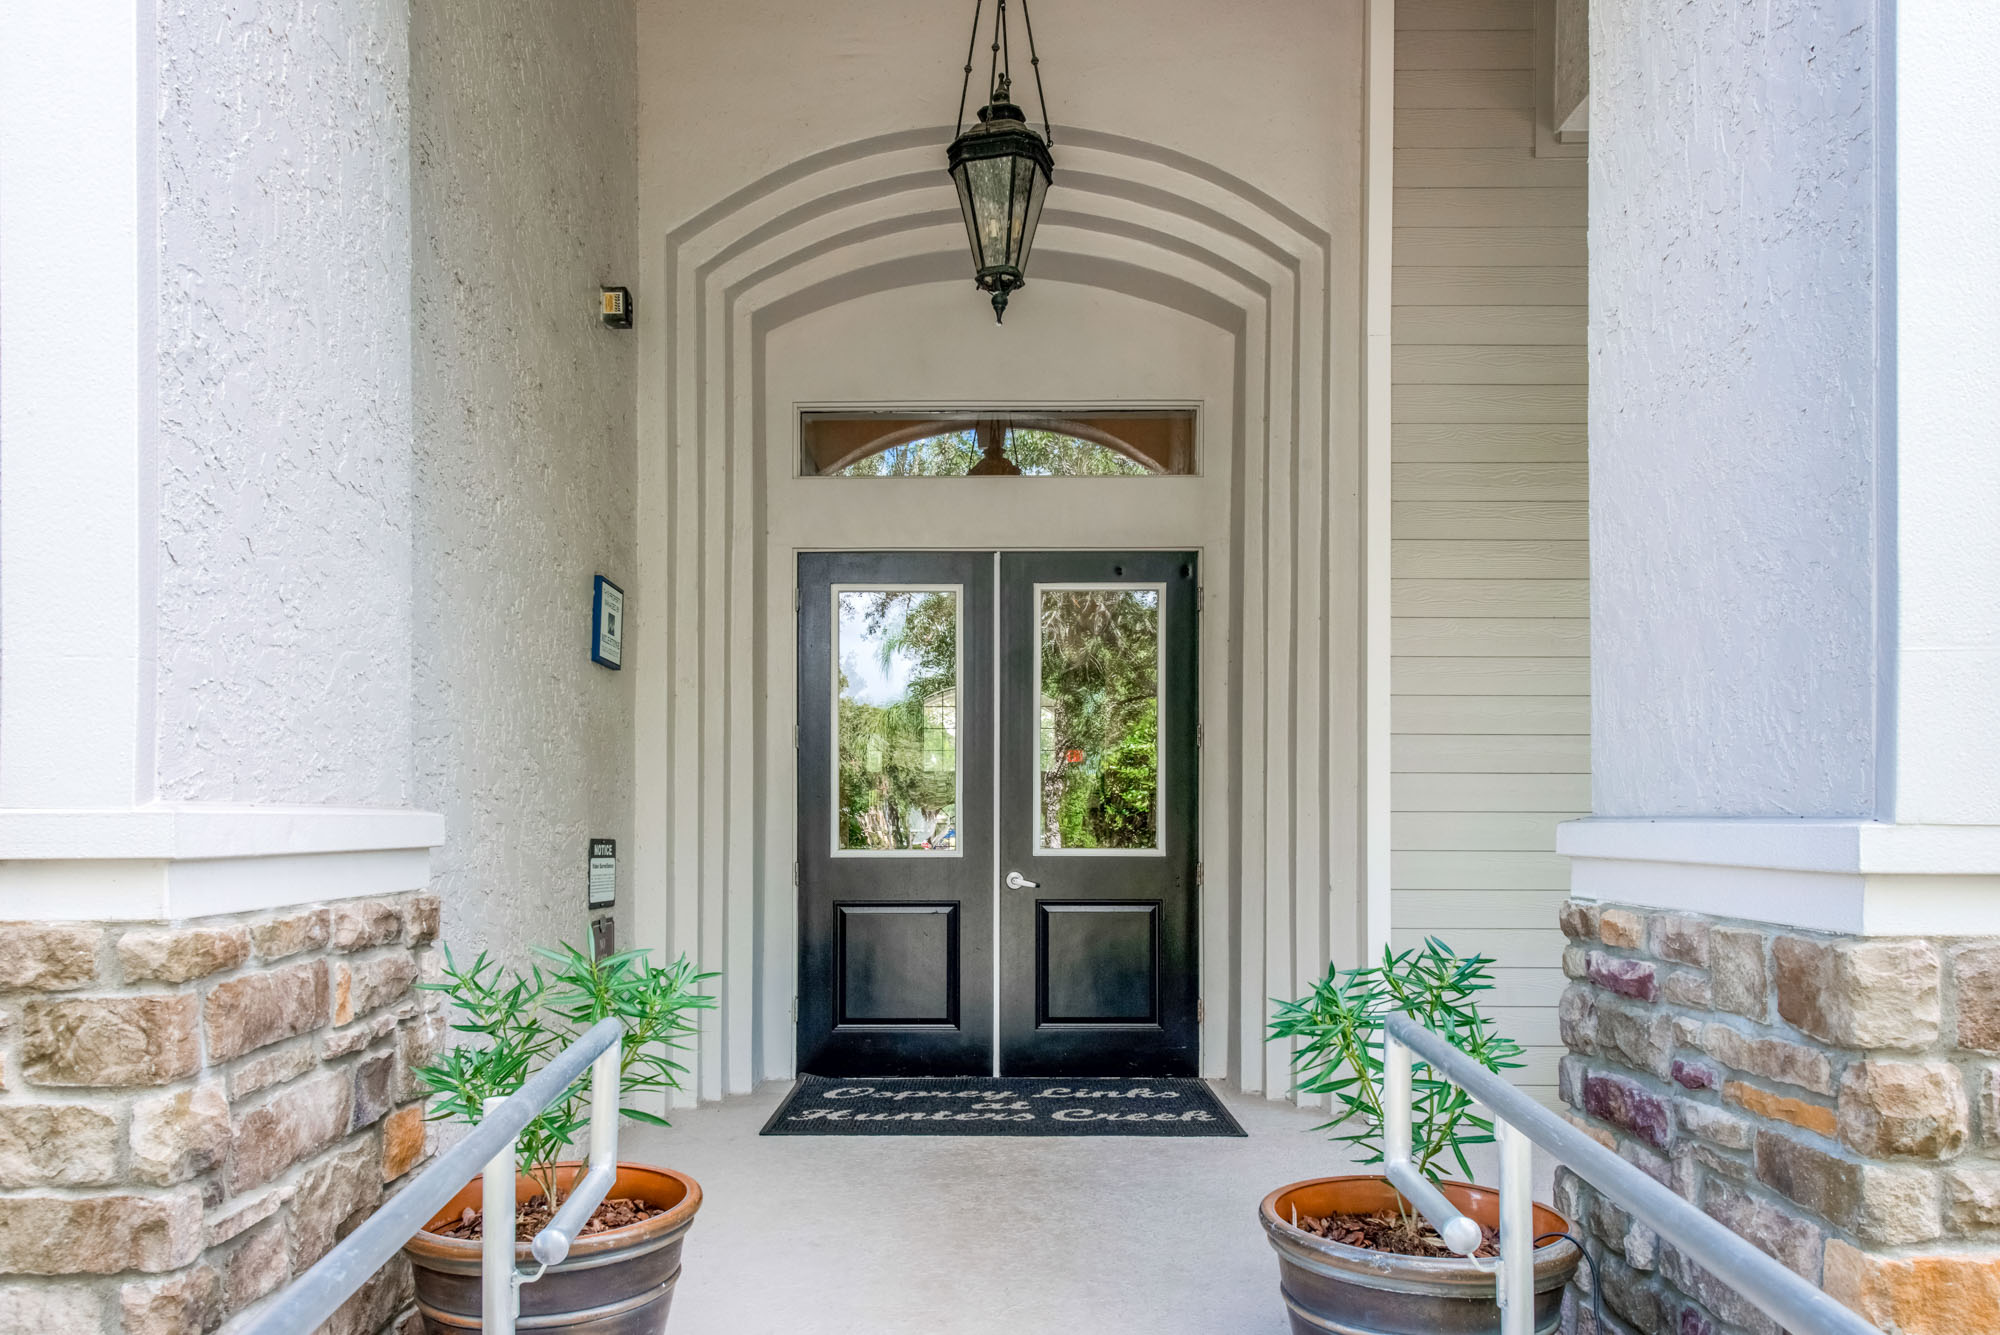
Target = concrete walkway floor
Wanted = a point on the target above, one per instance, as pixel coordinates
(888, 1235)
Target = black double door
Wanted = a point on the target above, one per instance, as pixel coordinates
(996, 815)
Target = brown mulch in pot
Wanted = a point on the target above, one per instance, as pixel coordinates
(1387, 1231)
(533, 1216)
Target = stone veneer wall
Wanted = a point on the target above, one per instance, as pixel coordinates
(1834, 1100)
(192, 1113)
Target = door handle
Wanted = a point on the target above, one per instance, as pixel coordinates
(1016, 881)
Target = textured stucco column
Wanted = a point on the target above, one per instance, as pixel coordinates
(1787, 909)
(213, 889)
(205, 430)
(282, 558)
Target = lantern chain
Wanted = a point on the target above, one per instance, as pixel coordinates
(998, 69)
(1028, 21)
(1001, 65)
(971, 44)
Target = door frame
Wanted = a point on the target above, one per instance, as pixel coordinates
(1174, 516)
(794, 515)
(1178, 1047)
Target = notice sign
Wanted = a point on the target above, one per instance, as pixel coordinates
(607, 624)
(603, 873)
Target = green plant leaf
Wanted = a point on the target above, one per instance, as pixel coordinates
(1337, 1032)
(522, 1020)
(641, 1115)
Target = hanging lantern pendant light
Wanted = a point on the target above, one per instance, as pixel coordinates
(1001, 166)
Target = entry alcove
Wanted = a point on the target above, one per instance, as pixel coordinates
(1158, 283)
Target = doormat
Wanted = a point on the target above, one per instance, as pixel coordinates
(1007, 1106)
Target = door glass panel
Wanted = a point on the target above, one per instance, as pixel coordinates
(896, 696)
(1098, 654)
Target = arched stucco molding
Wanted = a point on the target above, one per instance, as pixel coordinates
(866, 218)
(1052, 265)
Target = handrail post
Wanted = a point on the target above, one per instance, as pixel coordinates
(498, 1293)
(1517, 1230)
(1395, 1100)
(1460, 1234)
(605, 1084)
(600, 1171)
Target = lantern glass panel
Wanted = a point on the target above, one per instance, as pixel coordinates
(992, 181)
(1030, 212)
(1017, 207)
(961, 178)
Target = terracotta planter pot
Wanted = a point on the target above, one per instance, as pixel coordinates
(1331, 1288)
(616, 1283)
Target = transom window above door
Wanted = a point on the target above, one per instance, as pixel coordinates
(1125, 442)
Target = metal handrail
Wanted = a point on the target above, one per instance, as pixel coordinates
(1777, 1292)
(490, 1149)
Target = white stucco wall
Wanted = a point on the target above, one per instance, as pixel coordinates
(524, 198)
(1733, 443)
(283, 382)
(77, 196)
(1947, 340)
(732, 92)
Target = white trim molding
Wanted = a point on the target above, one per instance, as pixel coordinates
(1378, 232)
(78, 511)
(166, 862)
(1855, 877)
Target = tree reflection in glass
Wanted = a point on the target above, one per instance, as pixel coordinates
(1100, 724)
(1036, 453)
(897, 752)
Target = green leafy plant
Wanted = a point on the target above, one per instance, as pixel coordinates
(524, 1020)
(1339, 1031)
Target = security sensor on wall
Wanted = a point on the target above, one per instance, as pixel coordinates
(615, 305)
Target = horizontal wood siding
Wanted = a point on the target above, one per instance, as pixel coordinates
(1489, 564)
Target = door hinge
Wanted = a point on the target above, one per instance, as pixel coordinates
(1200, 597)
(1197, 734)
(1200, 1010)
(795, 875)
(795, 737)
(1197, 874)
(795, 1010)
